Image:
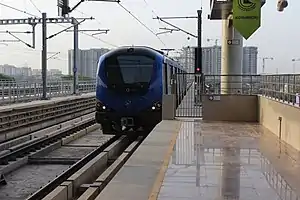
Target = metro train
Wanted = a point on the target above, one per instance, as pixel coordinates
(130, 85)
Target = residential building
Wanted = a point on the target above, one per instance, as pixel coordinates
(87, 61)
(250, 60)
(211, 59)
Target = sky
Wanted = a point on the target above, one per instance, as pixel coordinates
(277, 37)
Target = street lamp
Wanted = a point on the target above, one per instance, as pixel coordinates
(294, 60)
(264, 63)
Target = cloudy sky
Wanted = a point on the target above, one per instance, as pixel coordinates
(278, 36)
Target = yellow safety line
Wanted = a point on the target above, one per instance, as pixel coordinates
(161, 175)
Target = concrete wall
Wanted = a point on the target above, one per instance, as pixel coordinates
(269, 113)
(240, 108)
(280, 118)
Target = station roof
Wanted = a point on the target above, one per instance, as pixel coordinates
(220, 9)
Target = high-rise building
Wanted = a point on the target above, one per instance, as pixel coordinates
(211, 59)
(87, 61)
(250, 60)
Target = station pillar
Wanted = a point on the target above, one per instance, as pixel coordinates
(232, 59)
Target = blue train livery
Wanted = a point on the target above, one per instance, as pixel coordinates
(131, 82)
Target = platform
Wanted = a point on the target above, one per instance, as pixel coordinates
(208, 161)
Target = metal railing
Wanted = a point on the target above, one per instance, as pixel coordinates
(232, 84)
(283, 87)
(13, 92)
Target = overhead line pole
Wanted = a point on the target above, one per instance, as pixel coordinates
(44, 21)
(44, 55)
(63, 10)
(199, 52)
(199, 39)
(76, 50)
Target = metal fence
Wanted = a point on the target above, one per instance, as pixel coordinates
(188, 102)
(284, 88)
(231, 84)
(13, 92)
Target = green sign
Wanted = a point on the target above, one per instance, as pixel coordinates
(246, 16)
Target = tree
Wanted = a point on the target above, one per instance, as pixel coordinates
(80, 78)
(4, 77)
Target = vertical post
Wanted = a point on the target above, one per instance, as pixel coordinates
(232, 59)
(294, 67)
(199, 53)
(75, 56)
(263, 65)
(33, 36)
(44, 55)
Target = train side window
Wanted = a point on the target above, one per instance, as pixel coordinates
(165, 81)
(176, 77)
(171, 73)
(169, 79)
(179, 82)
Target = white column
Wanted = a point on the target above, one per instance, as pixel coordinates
(232, 59)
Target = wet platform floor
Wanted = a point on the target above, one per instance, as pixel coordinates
(232, 161)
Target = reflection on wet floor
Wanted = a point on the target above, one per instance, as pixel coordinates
(213, 164)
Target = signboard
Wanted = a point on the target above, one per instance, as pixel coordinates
(246, 16)
(214, 98)
(233, 42)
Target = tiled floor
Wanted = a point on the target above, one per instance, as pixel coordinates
(218, 161)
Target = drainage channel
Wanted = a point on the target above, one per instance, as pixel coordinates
(90, 175)
(26, 171)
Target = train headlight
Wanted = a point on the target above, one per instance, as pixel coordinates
(100, 106)
(156, 106)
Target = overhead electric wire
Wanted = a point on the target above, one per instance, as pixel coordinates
(155, 14)
(143, 24)
(88, 16)
(31, 1)
(22, 11)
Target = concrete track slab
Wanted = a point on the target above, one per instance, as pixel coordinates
(28, 179)
(94, 139)
(69, 152)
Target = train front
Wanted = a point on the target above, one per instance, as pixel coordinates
(129, 90)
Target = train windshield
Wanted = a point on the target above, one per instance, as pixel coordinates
(129, 69)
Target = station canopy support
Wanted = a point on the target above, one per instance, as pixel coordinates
(240, 19)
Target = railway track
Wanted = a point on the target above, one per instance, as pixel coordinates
(80, 170)
(20, 121)
(89, 176)
(44, 142)
(27, 157)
